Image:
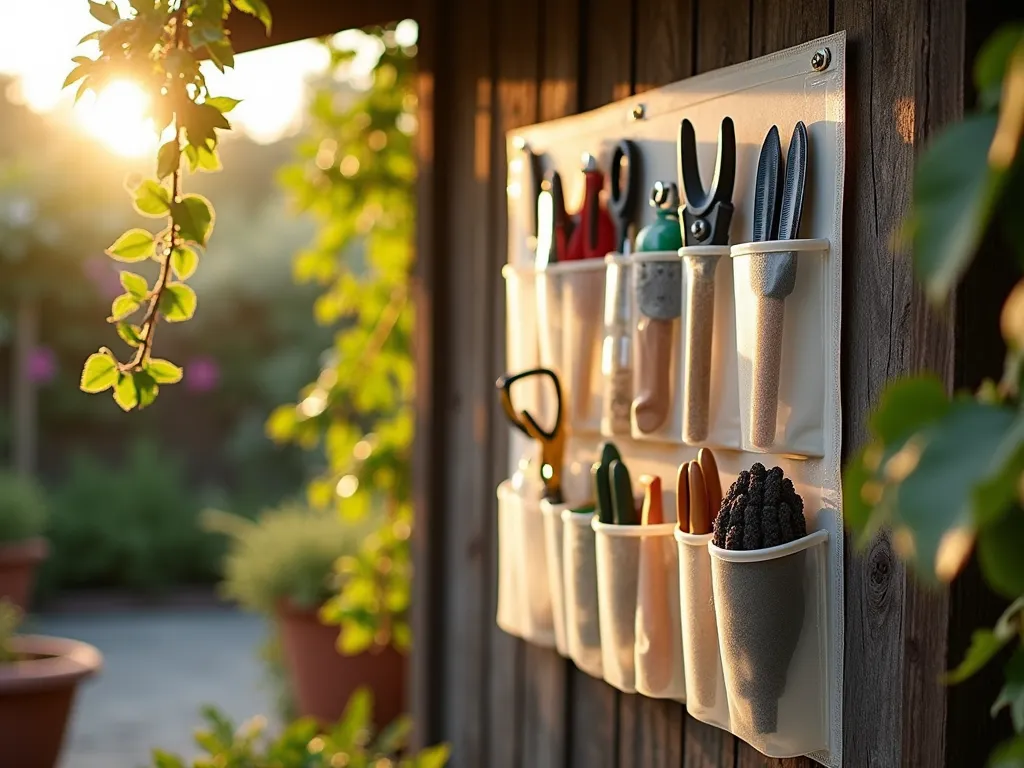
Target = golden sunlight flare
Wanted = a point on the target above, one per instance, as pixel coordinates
(119, 117)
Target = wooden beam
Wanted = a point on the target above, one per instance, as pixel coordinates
(302, 19)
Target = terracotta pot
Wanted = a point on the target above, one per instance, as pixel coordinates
(18, 562)
(322, 679)
(36, 697)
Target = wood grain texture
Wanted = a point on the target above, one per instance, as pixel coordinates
(664, 49)
(518, 732)
(610, 30)
(723, 34)
(594, 723)
(560, 58)
(469, 389)
(707, 747)
(938, 99)
(659, 735)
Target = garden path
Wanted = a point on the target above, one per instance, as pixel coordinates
(160, 667)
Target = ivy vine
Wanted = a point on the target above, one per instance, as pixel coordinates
(160, 45)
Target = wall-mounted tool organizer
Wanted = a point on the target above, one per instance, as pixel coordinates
(675, 260)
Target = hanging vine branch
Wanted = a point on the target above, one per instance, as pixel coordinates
(160, 45)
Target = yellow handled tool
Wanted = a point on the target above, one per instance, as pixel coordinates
(552, 442)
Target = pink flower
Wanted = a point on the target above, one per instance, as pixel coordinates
(42, 365)
(202, 374)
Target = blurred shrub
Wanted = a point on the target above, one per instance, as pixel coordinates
(287, 553)
(133, 525)
(23, 508)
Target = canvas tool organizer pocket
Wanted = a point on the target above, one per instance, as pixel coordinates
(731, 343)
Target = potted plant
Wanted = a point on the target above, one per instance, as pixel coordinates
(283, 566)
(23, 516)
(38, 679)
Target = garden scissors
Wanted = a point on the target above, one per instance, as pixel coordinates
(552, 442)
(706, 216)
(623, 193)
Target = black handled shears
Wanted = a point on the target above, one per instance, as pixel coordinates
(707, 213)
(552, 442)
(623, 194)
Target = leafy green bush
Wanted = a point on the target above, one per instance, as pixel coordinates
(134, 525)
(304, 745)
(287, 553)
(23, 508)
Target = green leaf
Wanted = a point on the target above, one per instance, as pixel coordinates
(201, 122)
(130, 334)
(1009, 754)
(986, 643)
(991, 62)
(163, 371)
(136, 285)
(355, 638)
(77, 74)
(207, 160)
(433, 757)
(1000, 545)
(934, 501)
(105, 13)
(356, 717)
(955, 190)
(193, 216)
(221, 54)
(99, 372)
(178, 303)
(184, 261)
(123, 306)
(163, 759)
(133, 245)
(135, 390)
(1012, 695)
(908, 405)
(152, 199)
(167, 159)
(223, 104)
(92, 36)
(256, 8)
(999, 491)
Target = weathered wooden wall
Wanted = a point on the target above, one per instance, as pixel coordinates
(492, 65)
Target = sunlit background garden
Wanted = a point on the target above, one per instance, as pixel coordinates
(285, 446)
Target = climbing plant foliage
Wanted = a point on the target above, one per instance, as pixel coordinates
(160, 45)
(944, 474)
(356, 176)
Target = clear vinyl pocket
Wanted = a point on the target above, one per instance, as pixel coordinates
(782, 321)
(553, 543)
(657, 283)
(618, 570)
(582, 623)
(706, 699)
(658, 649)
(524, 593)
(521, 340)
(570, 299)
(773, 633)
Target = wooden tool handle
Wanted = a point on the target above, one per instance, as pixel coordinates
(653, 511)
(654, 629)
(712, 481)
(700, 519)
(764, 400)
(654, 360)
(683, 497)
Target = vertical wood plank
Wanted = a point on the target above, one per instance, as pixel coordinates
(607, 51)
(520, 730)
(560, 58)
(468, 500)
(428, 285)
(658, 734)
(664, 42)
(594, 720)
(707, 747)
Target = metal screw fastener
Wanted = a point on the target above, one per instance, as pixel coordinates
(821, 59)
(519, 143)
(699, 229)
(638, 112)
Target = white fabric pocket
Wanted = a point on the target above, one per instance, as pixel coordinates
(658, 651)
(773, 633)
(583, 628)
